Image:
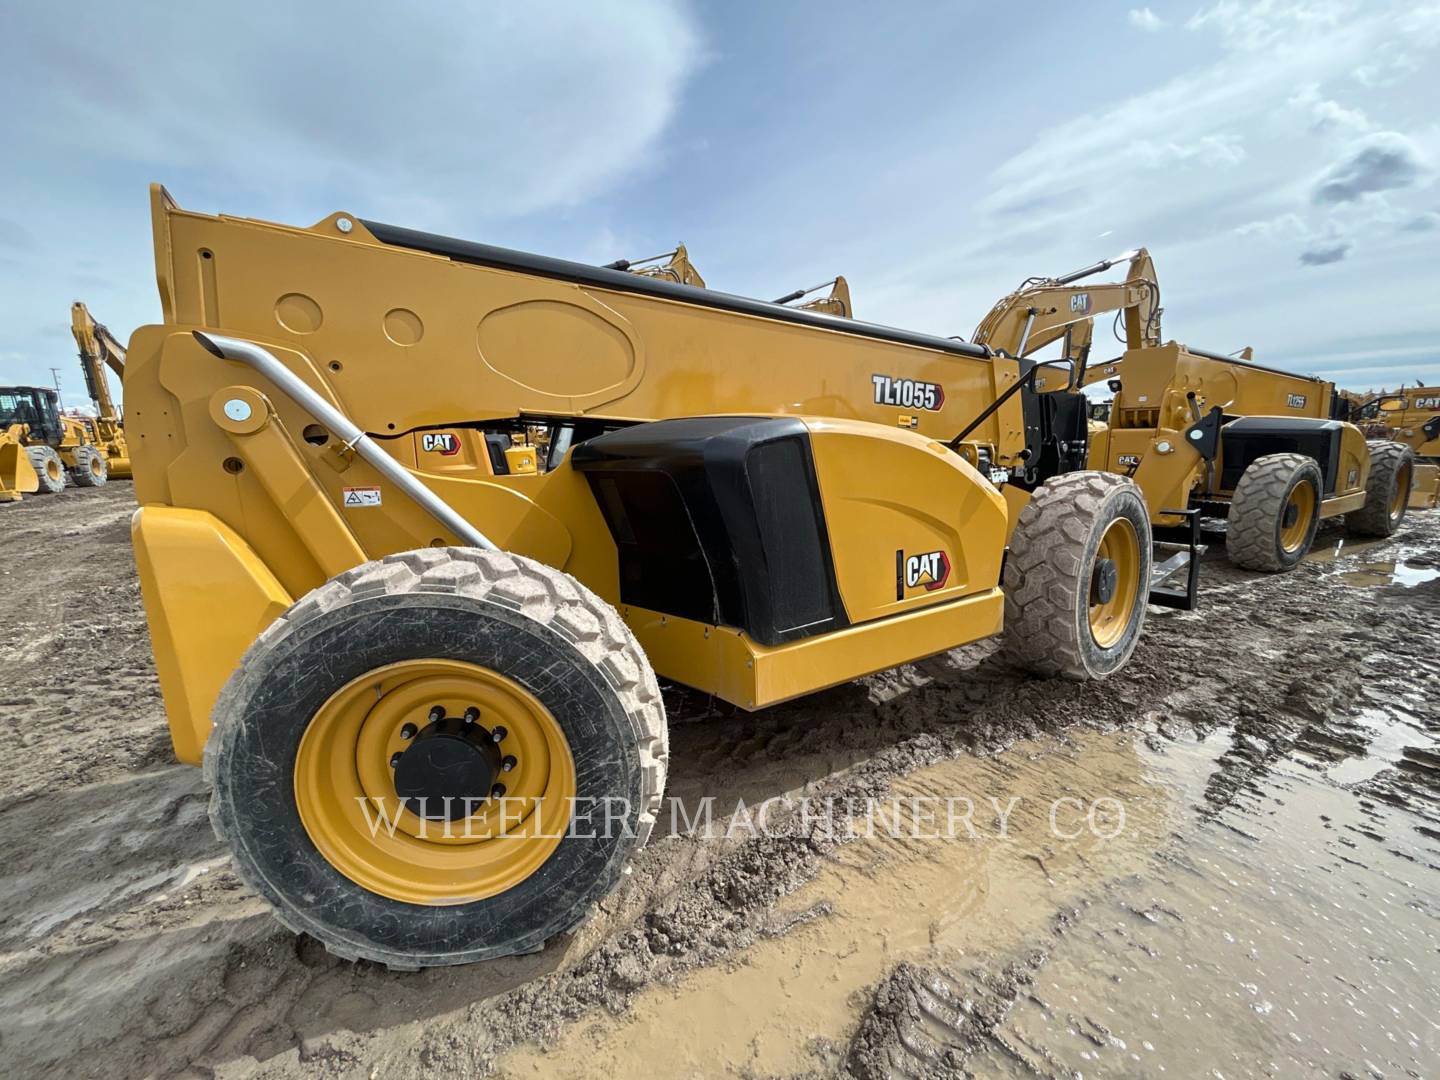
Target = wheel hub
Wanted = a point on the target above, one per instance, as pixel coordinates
(450, 766)
(1104, 581)
(1292, 515)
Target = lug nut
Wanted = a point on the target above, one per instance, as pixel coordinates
(408, 731)
(437, 713)
(395, 759)
(498, 791)
(509, 763)
(472, 714)
(498, 735)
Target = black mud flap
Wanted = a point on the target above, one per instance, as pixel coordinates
(1181, 557)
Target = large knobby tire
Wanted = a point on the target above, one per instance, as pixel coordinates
(1077, 576)
(92, 468)
(1274, 513)
(1387, 490)
(48, 467)
(387, 643)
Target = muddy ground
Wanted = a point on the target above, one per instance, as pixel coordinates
(1258, 896)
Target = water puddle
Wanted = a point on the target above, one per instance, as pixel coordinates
(924, 887)
(1377, 574)
(1329, 549)
(1296, 936)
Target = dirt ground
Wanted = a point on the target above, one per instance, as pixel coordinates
(1261, 895)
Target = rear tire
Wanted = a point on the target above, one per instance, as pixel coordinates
(1059, 617)
(524, 624)
(1387, 490)
(48, 467)
(91, 469)
(1274, 513)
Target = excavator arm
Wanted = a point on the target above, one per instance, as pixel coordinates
(99, 349)
(1044, 310)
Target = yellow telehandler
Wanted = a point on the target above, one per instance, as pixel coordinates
(423, 682)
(1410, 415)
(1203, 433)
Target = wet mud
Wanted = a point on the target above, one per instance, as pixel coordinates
(1267, 907)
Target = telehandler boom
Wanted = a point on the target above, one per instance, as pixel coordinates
(358, 608)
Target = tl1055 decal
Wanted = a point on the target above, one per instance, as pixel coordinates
(928, 570)
(908, 393)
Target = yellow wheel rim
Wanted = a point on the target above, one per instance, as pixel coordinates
(1300, 504)
(343, 782)
(1402, 492)
(1110, 617)
(95, 467)
(52, 469)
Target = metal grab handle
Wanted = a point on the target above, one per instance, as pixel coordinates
(265, 362)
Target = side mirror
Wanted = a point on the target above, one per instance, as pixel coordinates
(1053, 376)
(1393, 404)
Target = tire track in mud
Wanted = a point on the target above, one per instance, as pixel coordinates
(203, 979)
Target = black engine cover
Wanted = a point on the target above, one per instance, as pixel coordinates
(719, 520)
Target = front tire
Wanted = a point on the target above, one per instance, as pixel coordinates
(331, 696)
(91, 469)
(48, 467)
(1077, 576)
(1387, 490)
(1274, 513)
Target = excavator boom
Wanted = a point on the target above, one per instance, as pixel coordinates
(1045, 310)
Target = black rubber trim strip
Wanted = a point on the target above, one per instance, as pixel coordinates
(621, 281)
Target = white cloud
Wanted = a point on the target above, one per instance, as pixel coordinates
(1212, 151)
(1327, 116)
(464, 110)
(1145, 19)
(1256, 25)
(1288, 226)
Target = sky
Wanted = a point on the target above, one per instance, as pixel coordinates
(1279, 158)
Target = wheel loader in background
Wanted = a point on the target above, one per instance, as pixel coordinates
(359, 611)
(1201, 433)
(41, 448)
(99, 349)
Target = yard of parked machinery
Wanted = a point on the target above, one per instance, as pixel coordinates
(1270, 908)
(594, 673)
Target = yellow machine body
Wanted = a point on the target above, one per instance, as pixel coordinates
(17, 475)
(1164, 391)
(99, 349)
(246, 507)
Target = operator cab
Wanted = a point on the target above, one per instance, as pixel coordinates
(37, 407)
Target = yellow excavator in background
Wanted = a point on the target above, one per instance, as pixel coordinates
(100, 349)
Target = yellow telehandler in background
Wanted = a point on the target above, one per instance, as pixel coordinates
(358, 608)
(1202, 433)
(1410, 415)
